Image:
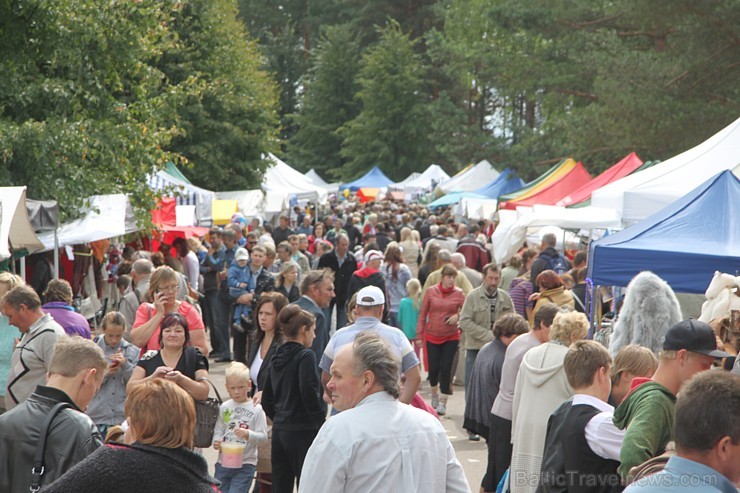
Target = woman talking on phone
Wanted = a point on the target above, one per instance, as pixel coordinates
(162, 301)
(177, 361)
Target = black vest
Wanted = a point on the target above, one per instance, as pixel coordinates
(568, 463)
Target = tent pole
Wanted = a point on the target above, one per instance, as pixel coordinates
(23, 268)
(56, 254)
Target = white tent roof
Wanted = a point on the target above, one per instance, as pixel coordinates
(114, 217)
(15, 226)
(433, 173)
(641, 194)
(249, 202)
(314, 177)
(472, 179)
(282, 180)
(511, 231)
(188, 194)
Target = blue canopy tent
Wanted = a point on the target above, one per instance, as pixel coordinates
(372, 179)
(507, 182)
(454, 198)
(684, 243)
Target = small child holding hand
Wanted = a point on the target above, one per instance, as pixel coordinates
(239, 421)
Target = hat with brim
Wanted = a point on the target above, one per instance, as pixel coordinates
(370, 296)
(695, 336)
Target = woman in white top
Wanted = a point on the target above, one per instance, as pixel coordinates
(265, 340)
(410, 249)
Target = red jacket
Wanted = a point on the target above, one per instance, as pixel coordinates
(436, 308)
(475, 255)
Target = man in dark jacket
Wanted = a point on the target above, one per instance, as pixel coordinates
(549, 259)
(370, 275)
(317, 291)
(283, 231)
(381, 236)
(75, 374)
(343, 264)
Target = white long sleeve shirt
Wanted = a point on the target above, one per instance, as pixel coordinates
(233, 415)
(382, 445)
(602, 436)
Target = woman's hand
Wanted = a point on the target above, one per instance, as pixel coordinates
(453, 319)
(257, 399)
(174, 376)
(161, 372)
(160, 299)
(534, 296)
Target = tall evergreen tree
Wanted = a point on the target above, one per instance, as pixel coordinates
(328, 101)
(392, 129)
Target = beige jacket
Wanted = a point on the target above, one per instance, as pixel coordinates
(475, 317)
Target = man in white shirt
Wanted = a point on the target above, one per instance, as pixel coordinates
(378, 443)
(582, 445)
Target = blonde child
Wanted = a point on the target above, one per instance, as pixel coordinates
(239, 421)
(408, 313)
(106, 408)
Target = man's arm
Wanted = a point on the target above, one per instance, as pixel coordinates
(413, 378)
(603, 437)
(467, 325)
(645, 435)
(456, 482)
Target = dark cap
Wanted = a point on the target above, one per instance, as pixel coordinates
(693, 336)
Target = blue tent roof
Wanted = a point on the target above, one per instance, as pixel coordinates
(684, 243)
(373, 179)
(454, 198)
(506, 182)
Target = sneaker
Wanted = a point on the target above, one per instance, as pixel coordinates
(237, 327)
(441, 409)
(435, 400)
(473, 437)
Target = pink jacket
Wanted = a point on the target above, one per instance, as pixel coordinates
(436, 308)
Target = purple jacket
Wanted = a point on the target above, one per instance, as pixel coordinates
(72, 322)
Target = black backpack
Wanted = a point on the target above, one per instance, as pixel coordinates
(558, 264)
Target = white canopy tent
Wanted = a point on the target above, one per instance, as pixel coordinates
(514, 226)
(282, 180)
(475, 209)
(15, 226)
(251, 203)
(107, 217)
(186, 194)
(471, 179)
(641, 194)
(314, 178)
(434, 175)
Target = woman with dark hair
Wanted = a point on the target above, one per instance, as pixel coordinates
(552, 290)
(157, 455)
(292, 398)
(319, 234)
(177, 361)
(438, 325)
(265, 340)
(429, 264)
(396, 274)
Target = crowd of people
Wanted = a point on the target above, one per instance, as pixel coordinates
(327, 324)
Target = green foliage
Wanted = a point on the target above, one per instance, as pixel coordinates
(392, 129)
(231, 120)
(328, 101)
(82, 109)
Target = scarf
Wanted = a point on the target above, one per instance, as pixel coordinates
(445, 291)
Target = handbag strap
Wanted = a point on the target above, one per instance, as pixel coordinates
(218, 396)
(38, 459)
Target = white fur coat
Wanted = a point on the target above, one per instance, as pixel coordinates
(650, 308)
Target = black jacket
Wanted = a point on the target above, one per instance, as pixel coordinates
(542, 263)
(265, 283)
(292, 397)
(369, 277)
(342, 275)
(119, 468)
(254, 347)
(72, 437)
(322, 327)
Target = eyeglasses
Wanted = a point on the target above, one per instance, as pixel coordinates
(170, 288)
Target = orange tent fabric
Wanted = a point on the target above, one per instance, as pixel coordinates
(576, 178)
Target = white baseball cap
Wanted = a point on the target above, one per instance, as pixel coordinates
(370, 296)
(241, 254)
(372, 255)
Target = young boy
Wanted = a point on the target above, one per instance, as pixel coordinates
(582, 444)
(241, 282)
(239, 421)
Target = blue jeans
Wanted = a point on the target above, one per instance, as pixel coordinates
(470, 356)
(235, 480)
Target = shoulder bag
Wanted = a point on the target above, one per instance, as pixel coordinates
(206, 413)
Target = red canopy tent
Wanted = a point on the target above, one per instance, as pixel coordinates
(164, 219)
(623, 168)
(577, 177)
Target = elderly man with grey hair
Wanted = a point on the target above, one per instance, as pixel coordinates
(141, 271)
(378, 443)
(475, 277)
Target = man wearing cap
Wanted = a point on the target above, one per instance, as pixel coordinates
(647, 412)
(370, 306)
(369, 275)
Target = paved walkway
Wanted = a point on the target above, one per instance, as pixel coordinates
(472, 455)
